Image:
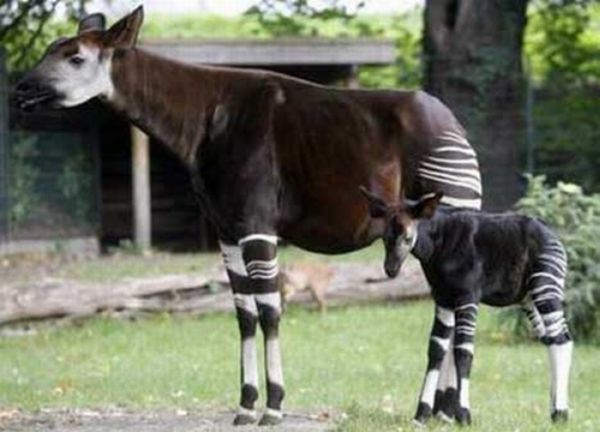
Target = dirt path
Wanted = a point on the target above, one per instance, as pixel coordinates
(119, 420)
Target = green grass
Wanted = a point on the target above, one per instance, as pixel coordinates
(366, 362)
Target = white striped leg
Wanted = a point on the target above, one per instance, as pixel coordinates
(534, 318)
(439, 342)
(259, 252)
(247, 316)
(546, 285)
(247, 320)
(464, 338)
(446, 394)
(560, 348)
(269, 306)
(560, 364)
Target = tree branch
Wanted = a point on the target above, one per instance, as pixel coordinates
(17, 21)
(43, 20)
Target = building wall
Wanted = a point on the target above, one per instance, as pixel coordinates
(177, 222)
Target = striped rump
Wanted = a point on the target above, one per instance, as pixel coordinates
(451, 167)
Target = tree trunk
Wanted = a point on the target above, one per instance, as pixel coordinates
(473, 63)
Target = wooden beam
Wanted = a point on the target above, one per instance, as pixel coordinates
(140, 168)
(352, 81)
(276, 52)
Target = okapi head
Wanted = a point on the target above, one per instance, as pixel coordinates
(76, 69)
(400, 225)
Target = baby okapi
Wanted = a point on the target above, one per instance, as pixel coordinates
(470, 257)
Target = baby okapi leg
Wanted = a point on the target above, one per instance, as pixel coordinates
(464, 337)
(546, 285)
(260, 257)
(560, 348)
(534, 318)
(439, 342)
(247, 316)
(446, 397)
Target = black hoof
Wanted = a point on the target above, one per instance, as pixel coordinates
(243, 419)
(559, 416)
(438, 401)
(270, 419)
(424, 413)
(463, 416)
(446, 403)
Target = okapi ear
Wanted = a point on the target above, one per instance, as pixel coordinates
(124, 33)
(377, 206)
(93, 22)
(426, 206)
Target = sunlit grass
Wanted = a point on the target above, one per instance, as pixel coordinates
(363, 363)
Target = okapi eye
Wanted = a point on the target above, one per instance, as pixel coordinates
(76, 60)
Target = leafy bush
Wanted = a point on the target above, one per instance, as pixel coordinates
(576, 218)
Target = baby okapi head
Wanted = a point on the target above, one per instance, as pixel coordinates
(76, 69)
(400, 225)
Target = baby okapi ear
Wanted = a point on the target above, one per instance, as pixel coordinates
(124, 33)
(93, 22)
(377, 206)
(426, 206)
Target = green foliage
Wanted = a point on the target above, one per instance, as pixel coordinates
(279, 18)
(406, 71)
(27, 26)
(562, 46)
(300, 17)
(567, 132)
(563, 42)
(195, 26)
(24, 174)
(403, 29)
(576, 218)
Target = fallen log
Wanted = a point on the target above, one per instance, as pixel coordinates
(54, 298)
(188, 293)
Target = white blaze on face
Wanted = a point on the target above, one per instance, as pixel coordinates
(83, 80)
(405, 244)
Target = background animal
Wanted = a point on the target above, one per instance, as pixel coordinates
(306, 276)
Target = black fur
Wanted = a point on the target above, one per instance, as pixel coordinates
(470, 257)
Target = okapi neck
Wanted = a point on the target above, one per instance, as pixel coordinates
(169, 101)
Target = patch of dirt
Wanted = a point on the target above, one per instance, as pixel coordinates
(113, 420)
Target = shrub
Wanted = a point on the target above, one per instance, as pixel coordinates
(576, 218)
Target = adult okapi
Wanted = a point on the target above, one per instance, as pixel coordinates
(270, 157)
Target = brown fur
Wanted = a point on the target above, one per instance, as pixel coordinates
(270, 153)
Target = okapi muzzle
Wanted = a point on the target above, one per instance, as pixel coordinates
(397, 249)
(35, 91)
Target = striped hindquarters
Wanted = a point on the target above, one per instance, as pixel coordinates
(451, 167)
(547, 279)
(546, 288)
